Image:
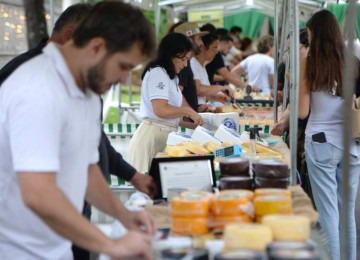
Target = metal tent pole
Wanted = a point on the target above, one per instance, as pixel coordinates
(283, 49)
(348, 91)
(294, 84)
(276, 58)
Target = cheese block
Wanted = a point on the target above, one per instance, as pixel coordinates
(247, 236)
(211, 146)
(237, 166)
(270, 168)
(272, 191)
(271, 183)
(189, 226)
(236, 182)
(261, 149)
(195, 148)
(176, 151)
(221, 221)
(231, 203)
(288, 227)
(265, 205)
(190, 204)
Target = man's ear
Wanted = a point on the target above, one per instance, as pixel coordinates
(67, 34)
(97, 47)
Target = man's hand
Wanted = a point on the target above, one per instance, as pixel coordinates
(228, 91)
(205, 108)
(133, 244)
(138, 221)
(144, 183)
(255, 89)
(278, 129)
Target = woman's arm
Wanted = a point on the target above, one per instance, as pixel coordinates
(163, 109)
(304, 92)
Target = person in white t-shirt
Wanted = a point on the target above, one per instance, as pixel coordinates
(49, 138)
(162, 103)
(260, 66)
(205, 90)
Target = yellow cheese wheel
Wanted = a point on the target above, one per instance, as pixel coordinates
(221, 221)
(189, 226)
(288, 227)
(231, 203)
(265, 205)
(191, 204)
(176, 151)
(247, 236)
(272, 191)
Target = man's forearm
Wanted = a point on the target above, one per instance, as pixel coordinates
(99, 194)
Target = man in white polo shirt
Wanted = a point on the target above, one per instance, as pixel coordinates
(49, 135)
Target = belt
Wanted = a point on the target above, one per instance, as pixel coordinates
(163, 125)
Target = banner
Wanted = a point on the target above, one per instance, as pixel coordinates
(215, 17)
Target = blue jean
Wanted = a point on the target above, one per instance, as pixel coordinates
(324, 162)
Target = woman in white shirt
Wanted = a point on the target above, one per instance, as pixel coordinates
(162, 103)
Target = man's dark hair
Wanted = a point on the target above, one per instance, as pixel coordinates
(235, 29)
(208, 28)
(119, 24)
(72, 15)
(208, 39)
(221, 32)
(226, 38)
(173, 45)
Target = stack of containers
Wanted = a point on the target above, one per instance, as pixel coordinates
(190, 213)
(235, 174)
(270, 173)
(271, 201)
(232, 206)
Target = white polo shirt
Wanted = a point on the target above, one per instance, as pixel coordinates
(158, 85)
(200, 74)
(46, 125)
(259, 67)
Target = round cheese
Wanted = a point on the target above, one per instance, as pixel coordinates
(265, 205)
(189, 226)
(231, 203)
(272, 191)
(191, 204)
(288, 227)
(247, 236)
(221, 221)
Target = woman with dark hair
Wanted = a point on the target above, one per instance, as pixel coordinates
(162, 104)
(321, 88)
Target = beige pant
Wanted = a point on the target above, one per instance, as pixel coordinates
(149, 139)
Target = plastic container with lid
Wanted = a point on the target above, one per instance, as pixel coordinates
(236, 182)
(185, 253)
(281, 183)
(270, 168)
(290, 245)
(297, 254)
(241, 254)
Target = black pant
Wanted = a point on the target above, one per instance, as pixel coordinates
(78, 252)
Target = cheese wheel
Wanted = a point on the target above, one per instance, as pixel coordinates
(221, 221)
(231, 203)
(288, 227)
(270, 169)
(265, 205)
(236, 182)
(271, 183)
(272, 191)
(176, 151)
(247, 236)
(237, 166)
(191, 204)
(189, 226)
